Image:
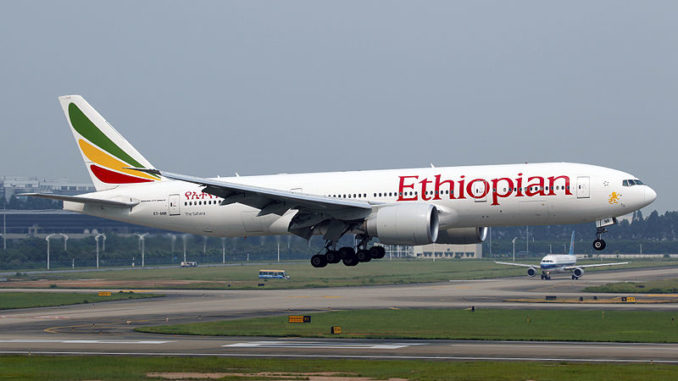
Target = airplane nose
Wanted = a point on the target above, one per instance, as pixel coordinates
(650, 195)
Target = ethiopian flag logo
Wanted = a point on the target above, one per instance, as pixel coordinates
(107, 154)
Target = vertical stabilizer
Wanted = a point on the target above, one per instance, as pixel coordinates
(571, 252)
(106, 153)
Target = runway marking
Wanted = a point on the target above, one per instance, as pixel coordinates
(38, 341)
(336, 356)
(317, 345)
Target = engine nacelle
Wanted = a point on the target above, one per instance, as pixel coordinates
(531, 272)
(462, 236)
(578, 272)
(404, 224)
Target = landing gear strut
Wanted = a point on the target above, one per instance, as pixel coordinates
(599, 243)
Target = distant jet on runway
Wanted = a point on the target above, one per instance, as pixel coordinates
(559, 263)
(416, 206)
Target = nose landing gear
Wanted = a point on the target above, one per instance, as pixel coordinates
(599, 243)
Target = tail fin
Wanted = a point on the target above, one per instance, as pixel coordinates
(572, 244)
(106, 153)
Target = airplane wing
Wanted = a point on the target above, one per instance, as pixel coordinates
(81, 199)
(596, 265)
(312, 209)
(517, 264)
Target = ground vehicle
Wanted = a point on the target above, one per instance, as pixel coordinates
(189, 264)
(273, 274)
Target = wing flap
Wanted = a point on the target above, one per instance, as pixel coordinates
(596, 265)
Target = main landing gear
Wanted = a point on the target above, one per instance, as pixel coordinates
(348, 255)
(545, 276)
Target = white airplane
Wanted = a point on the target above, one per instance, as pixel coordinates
(559, 263)
(451, 205)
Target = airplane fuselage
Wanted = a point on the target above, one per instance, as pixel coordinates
(470, 196)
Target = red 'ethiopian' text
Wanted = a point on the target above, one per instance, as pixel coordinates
(412, 188)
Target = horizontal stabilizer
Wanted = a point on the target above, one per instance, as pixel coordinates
(81, 199)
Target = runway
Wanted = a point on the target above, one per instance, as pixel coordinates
(107, 328)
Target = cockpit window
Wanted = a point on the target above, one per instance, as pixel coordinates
(631, 182)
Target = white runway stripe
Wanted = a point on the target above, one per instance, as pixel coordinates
(86, 341)
(317, 344)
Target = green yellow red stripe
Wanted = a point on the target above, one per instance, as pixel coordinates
(91, 132)
(105, 160)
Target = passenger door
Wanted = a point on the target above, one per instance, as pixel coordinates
(174, 200)
(583, 190)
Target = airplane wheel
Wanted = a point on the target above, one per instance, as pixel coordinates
(346, 252)
(318, 261)
(377, 252)
(333, 256)
(363, 256)
(574, 277)
(599, 244)
(350, 260)
(542, 277)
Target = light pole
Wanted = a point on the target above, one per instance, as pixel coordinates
(64, 236)
(514, 248)
(223, 250)
(173, 237)
(184, 237)
(527, 241)
(4, 227)
(490, 229)
(96, 238)
(142, 243)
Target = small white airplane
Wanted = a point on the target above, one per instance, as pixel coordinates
(559, 263)
(451, 205)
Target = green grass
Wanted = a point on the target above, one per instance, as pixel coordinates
(666, 286)
(11, 300)
(302, 275)
(483, 324)
(137, 368)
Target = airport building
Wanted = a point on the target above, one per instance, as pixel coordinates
(474, 250)
(435, 251)
(9, 186)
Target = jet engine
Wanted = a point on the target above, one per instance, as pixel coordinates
(578, 272)
(404, 224)
(531, 272)
(462, 236)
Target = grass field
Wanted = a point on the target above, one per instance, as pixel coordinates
(483, 324)
(666, 286)
(302, 275)
(11, 300)
(159, 368)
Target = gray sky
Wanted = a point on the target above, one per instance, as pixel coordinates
(259, 87)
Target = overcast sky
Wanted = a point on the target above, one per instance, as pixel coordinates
(259, 87)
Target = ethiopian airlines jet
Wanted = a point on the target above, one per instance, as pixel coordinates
(451, 205)
(560, 263)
